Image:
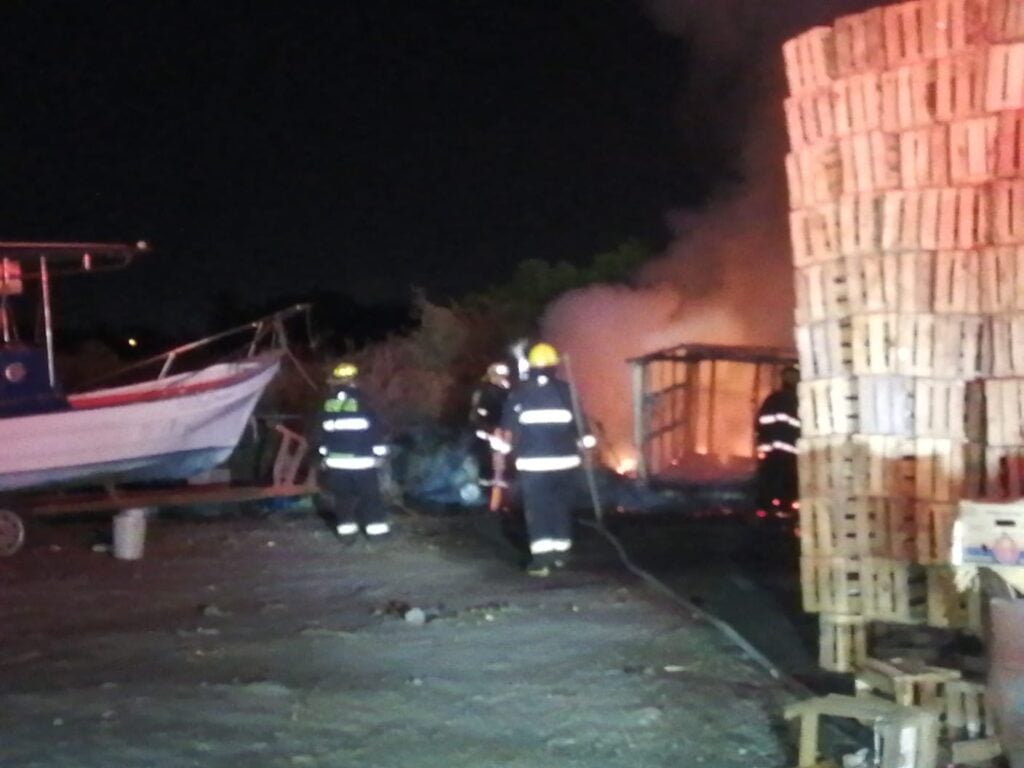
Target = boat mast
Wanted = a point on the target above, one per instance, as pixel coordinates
(44, 282)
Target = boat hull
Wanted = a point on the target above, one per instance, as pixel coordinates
(165, 429)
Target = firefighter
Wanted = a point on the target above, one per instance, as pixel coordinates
(352, 449)
(538, 424)
(777, 431)
(485, 418)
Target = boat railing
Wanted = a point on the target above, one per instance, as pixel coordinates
(269, 333)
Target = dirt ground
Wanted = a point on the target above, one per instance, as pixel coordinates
(265, 642)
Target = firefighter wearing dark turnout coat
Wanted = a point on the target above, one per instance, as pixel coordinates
(777, 431)
(540, 427)
(351, 450)
(485, 408)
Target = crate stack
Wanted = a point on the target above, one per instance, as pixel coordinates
(906, 182)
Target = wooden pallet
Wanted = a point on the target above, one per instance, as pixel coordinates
(935, 346)
(1008, 211)
(1009, 160)
(814, 175)
(907, 682)
(875, 343)
(1005, 21)
(814, 233)
(825, 467)
(957, 282)
(842, 641)
(810, 119)
(869, 162)
(908, 96)
(884, 405)
(947, 408)
(966, 714)
(972, 149)
(883, 466)
(894, 527)
(821, 292)
(960, 83)
(924, 157)
(838, 527)
(810, 60)
(893, 590)
(859, 221)
(903, 31)
(907, 737)
(1004, 77)
(951, 26)
(933, 532)
(859, 41)
(890, 282)
(1002, 279)
(951, 218)
(832, 585)
(940, 467)
(1002, 476)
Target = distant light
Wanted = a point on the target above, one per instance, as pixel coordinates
(133, 342)
(762, 513)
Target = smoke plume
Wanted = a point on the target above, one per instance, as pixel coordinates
(726, 277)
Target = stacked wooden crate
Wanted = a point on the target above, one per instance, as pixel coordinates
(906, 181)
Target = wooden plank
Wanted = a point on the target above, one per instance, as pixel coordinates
(1007, 345)
(960, 86)
(902, 213)
(1004, 412)
(1005, 21)
(874, 343)
(933, 527)
(842, 643)
(1002, 279)
(939, 408)
(893, 590)
(826, 467)
(924, 157)
(831, 584)
(975, 751)
(957, 282)
(1004, 78)
(972, 149)
(1008, 211)
(859, 224)
(815, 234)
(894, 534)
(904, 34)
(1009, 161)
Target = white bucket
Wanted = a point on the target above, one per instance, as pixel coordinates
(130, 533)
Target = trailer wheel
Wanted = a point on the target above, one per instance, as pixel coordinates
(12, 533)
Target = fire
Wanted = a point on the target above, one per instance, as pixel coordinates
(626, 466)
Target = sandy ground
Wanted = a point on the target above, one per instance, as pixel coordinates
(264, 642)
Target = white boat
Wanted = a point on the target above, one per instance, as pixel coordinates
(168, 428)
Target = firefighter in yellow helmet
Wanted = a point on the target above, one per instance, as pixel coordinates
(351, 449)
(539, 426)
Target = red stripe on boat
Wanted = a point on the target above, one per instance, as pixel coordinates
(83, 402)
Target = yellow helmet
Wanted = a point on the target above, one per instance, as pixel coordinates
(344, 372)
(542, 356)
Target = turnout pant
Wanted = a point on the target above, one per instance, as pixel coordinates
(357, 500)
(547, 502)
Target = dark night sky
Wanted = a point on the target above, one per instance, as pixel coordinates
(271, 148)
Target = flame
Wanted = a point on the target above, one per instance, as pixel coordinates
(626, 466)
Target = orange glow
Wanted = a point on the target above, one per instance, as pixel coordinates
(626, 466)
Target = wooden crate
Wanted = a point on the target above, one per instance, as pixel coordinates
(1002, 279)
(933, 531)
(827, 407)
(875, 342)
(966, 715)
(900, 221)
(814, 175)
(951, 26)
(1005, 20)
(1003, 473)
(953, 218)
(810, 119)
(1004, 77)
(825, 467)
(1008, 211)
(960, 83)
(972, 149)
(869, 162)
(824, 348)
(815, 234)
(831, 584)
(857, 104)
(884, 405)
(1009, 160)
(894, 590)
(903, 33)
(859, 222)
(859, 41)
(821, 292)
(810, 60)
(842, 641)
(947, 606)
(1007, 344)
(908, 682)
(943, 346)
(838, 527)
(908, 96)
(958, 282)
(890, 282)
(883, 466)
(946, 408)
(1004, 412)
(924, 157)
(894, 534)
(939, 469)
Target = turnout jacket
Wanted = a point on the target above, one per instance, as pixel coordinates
(544, 433)
(486, 406)
(348, 434)
(778, 425)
